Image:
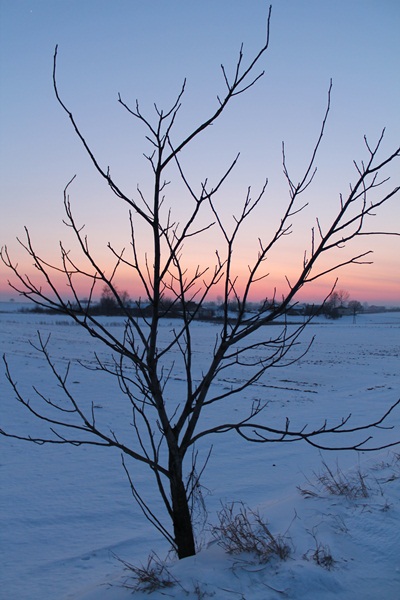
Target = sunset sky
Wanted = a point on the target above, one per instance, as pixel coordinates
(144, 50)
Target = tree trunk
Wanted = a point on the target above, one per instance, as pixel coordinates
(181, 517)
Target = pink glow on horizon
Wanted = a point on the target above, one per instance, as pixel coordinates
(361, 287)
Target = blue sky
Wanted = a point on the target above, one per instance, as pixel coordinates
(144, 49)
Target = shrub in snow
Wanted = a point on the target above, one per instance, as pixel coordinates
(241, 530)
(337, 483)
(152, 576)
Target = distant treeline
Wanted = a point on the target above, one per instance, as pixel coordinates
(333, 308)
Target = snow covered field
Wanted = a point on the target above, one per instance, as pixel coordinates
(66, 512)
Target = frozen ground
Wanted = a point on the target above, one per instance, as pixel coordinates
(66, 512)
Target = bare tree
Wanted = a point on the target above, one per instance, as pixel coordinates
(355, 307)
(108, 305)
(166, 429)
(342, 297)
(335, 303)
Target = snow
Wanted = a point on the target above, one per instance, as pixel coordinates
(66, 513)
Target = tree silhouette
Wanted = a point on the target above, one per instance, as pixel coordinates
(166, 428)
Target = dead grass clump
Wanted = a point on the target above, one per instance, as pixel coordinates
(241, 530)
(152, 576)
(321, 554)
(337, 483)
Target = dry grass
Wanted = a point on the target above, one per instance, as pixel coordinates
(241, 530)
(337, 483)
(321, 554)
(152, 576)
